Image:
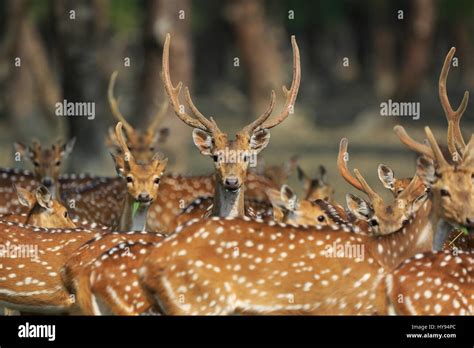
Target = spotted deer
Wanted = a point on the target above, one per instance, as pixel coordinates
(124, 210)
(47, 163)
(385, 218)
(102, 273)
(450, 181)
(316, 188)
(32, 256)
(284, 207)
(230, 173)
(434, 283)
(238, 265)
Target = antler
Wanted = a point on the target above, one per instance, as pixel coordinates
(199, 121)
(438, 155)
(158, 117)
(412, 144)
(290, 94)
(455, 139)
(114, 103)
(121, 141)
(342, 166)
(262, 118)
(373, 196)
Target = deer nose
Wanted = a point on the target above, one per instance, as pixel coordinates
(144, 197)
(47, 181)
(232, 183)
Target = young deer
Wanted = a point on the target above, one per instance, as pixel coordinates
(384, 218)
(124, 210)
(237, 265)
(142, 144)
(316, 188)
(450, 184)
(230, 174)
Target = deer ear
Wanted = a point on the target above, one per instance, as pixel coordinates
(203, 141)
(23, 149)
(44, 197)
(358, 207)
(322, 174)
(425, 169)
(25, 197)
(418, 202)
(259, 140)
(119, 164)
(386, 176)
(301, 175)
(161, 165)
(66, 149)
(289, 197)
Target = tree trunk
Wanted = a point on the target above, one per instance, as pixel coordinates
(79, 38)
(258, 43)
(162, 17)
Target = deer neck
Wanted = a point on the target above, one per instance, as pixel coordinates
(130, 221)
(391, 250)
(228, 203)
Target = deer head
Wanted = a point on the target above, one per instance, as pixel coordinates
(449, 181)
(44, 211)
(316, 188)
(142, 144)
(46, 161)
(142, 179)
(287, 208)
(231, 157)
(383, 218)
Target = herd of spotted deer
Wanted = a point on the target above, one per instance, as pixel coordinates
(243, 243)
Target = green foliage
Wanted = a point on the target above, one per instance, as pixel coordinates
(126, 16)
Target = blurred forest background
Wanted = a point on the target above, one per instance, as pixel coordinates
(395, 49)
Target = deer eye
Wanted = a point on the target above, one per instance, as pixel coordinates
(152, 149)
(36, 164)
(215, 158)
(373, 222)
(405, 222)
(58, 163)
(321, 218)
(246, 158)
(129, 179)
(444, 193)
(65, 214)
(156, 181)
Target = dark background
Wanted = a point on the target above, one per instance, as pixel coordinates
(64, 58)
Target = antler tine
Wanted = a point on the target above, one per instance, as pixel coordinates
(121, 141)
(290, 94)
(114, 104)
(342, 166)
(210, 124)
(262, 118)
(455, 138)
(366, 188)
(420, 148)
(412, 186)
(438, 155)
(173, 92)
(158, 117)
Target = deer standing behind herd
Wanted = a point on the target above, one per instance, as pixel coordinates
(237, 240)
